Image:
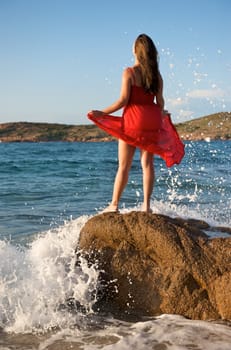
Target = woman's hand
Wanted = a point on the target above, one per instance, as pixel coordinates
(96, 113)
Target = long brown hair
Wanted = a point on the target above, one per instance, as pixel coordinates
(147, 56)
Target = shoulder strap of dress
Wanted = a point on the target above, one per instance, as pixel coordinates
(133, 75)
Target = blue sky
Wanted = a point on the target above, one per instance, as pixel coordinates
(61, 58)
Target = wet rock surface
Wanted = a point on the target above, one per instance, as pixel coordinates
(152, 264)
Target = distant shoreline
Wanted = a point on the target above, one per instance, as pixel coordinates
(212, 127)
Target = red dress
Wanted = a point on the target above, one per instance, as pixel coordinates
(143, 125)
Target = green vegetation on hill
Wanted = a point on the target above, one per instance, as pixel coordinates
(42, 132)
(215, 126)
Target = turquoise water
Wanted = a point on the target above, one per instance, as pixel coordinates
(48, 192)
(43, 184)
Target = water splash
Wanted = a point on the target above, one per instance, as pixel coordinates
(196, 92)
(38, 281)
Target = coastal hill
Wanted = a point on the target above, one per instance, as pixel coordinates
(212, 127)
(215, 127)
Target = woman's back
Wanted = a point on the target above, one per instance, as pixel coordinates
(138, 94)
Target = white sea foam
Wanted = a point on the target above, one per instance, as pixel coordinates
(168, 332)
(37, 281)
(171, 209)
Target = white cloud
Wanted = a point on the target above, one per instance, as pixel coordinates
(179, 108)
(184, 114)
(206, 93)
(176, 102)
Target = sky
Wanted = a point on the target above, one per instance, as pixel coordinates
(61, 58)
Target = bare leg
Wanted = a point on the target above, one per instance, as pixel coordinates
(146, 159)
(125, 155)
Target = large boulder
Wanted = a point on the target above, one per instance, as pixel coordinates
(152, 264)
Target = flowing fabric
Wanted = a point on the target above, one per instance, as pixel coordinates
(144, 126)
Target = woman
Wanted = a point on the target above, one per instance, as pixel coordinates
(143, 123)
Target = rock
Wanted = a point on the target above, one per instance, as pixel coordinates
(153, 264)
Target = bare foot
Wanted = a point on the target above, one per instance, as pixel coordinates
(147, 210)
(111, 209)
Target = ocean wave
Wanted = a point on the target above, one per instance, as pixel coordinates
(40, 283)
(37, 281)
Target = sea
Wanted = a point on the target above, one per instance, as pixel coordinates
(48, 192)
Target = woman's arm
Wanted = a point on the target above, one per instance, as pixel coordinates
(123, 99)
(159, 95)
